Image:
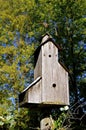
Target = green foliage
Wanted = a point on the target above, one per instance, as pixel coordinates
(21, 25)
(17, 121)
(59, 122)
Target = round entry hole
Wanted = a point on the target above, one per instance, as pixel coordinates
(54, 85)
(49, 55)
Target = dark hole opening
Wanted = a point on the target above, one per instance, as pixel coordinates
(49, 55)
(46, 124)
(54, 85)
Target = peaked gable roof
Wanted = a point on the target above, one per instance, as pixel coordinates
(37, 51)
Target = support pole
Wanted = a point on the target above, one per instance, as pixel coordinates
(46, 122)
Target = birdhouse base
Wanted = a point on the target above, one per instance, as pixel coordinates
(41, 106)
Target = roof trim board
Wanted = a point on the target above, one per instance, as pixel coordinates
(33, 83)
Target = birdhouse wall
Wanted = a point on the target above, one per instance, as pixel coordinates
(54, 77)
(38, 66)
(50, 85)
(34, 93)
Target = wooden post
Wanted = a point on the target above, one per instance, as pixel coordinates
(50, 86)
(46, 121)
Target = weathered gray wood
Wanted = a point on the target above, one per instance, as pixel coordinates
(34, 93)
(33, 83)
(53, 88)
(38, 67)
(45, 38)
(47, 123)
(54, 77)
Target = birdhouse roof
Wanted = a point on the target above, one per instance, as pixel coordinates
(50, 78)
(49, 39)
(33, 83)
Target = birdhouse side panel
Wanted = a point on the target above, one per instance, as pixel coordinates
(55, 87)
(54, 77)
(38, 67)
(64, 84)
(50, 60)
(49, 51)
(34, 93)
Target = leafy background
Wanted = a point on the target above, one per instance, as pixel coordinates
(22, 23)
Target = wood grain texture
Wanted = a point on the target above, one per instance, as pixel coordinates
(53, 74)
(53, 87)
(34, 93)
(38, 67)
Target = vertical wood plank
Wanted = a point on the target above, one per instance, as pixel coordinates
(54, 81)
(53, 87)
(34, 93)
(38, 67)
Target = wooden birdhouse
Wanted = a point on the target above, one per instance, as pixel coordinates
(50, 85)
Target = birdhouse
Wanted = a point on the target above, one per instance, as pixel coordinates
(50, 85)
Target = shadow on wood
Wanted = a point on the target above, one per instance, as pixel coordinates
(50, 86)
